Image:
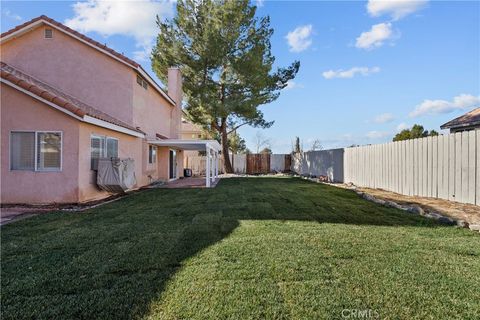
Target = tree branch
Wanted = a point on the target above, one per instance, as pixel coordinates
(236, 127)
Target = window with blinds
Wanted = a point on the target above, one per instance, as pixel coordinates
(36, 151)
(22, 151)
(102, 147)
(112, 148)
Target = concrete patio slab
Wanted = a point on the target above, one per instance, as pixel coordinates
(192, 182)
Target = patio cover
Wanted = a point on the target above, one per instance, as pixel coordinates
(211, 147)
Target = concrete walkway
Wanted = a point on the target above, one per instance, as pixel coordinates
(8, 215)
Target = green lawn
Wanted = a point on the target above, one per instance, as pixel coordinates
(251, 248)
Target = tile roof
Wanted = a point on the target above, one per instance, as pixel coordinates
(57, 97)
(468, 119)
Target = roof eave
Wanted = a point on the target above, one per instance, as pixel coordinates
(462, 125)
(81, 117)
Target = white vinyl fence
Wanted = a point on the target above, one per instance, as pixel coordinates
(446, 167)
(239, 163)
(277, 162)
(320, 163)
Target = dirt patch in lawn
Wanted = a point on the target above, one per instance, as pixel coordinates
(458, 211)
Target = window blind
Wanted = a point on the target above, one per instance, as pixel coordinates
(22, 151)
(112, 148)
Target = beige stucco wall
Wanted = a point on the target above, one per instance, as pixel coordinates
(152, 113)
(23, 113)
(74, 68)
(164, 163)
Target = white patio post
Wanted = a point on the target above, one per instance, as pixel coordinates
(212, 167)
(207, 173)
(216, 164)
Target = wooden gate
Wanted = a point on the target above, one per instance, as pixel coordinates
(258, 163)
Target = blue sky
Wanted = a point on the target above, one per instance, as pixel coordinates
(368, 68)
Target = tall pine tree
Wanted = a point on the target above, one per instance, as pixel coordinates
(225, 56)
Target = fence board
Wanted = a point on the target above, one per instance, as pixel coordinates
(429, 166)
(464, 179)
(451, 167)
(435, 167)
(420, 167)
(440, 190)
(403, 161)
(471, 168)
(477, 155)
(425, 167)
(445, 167)
(458, 166)
(408, 167)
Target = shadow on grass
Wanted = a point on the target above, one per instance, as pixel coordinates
(112, 261)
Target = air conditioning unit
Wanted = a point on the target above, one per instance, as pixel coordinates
(116, 175)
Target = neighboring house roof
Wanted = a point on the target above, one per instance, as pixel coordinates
(29, 25)
(60, 100)
(469, 119)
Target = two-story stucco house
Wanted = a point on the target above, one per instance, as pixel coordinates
(67, 100)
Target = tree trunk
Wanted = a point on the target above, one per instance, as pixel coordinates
(226, 159)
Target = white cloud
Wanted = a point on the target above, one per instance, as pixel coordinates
(130, 18)
(397, 9)
(350, 73)
(293, 85)
(402, 126)
(384, 118)
(460, 102)
(378, 34)
(300, 38)
(259, 3)
(377, 134)
(13, 16)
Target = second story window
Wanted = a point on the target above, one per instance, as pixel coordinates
(142, 82)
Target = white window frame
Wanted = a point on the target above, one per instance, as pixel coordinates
(104, 153)
(154, 159)
(35, 159)
(106, 145)
(142, 82)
